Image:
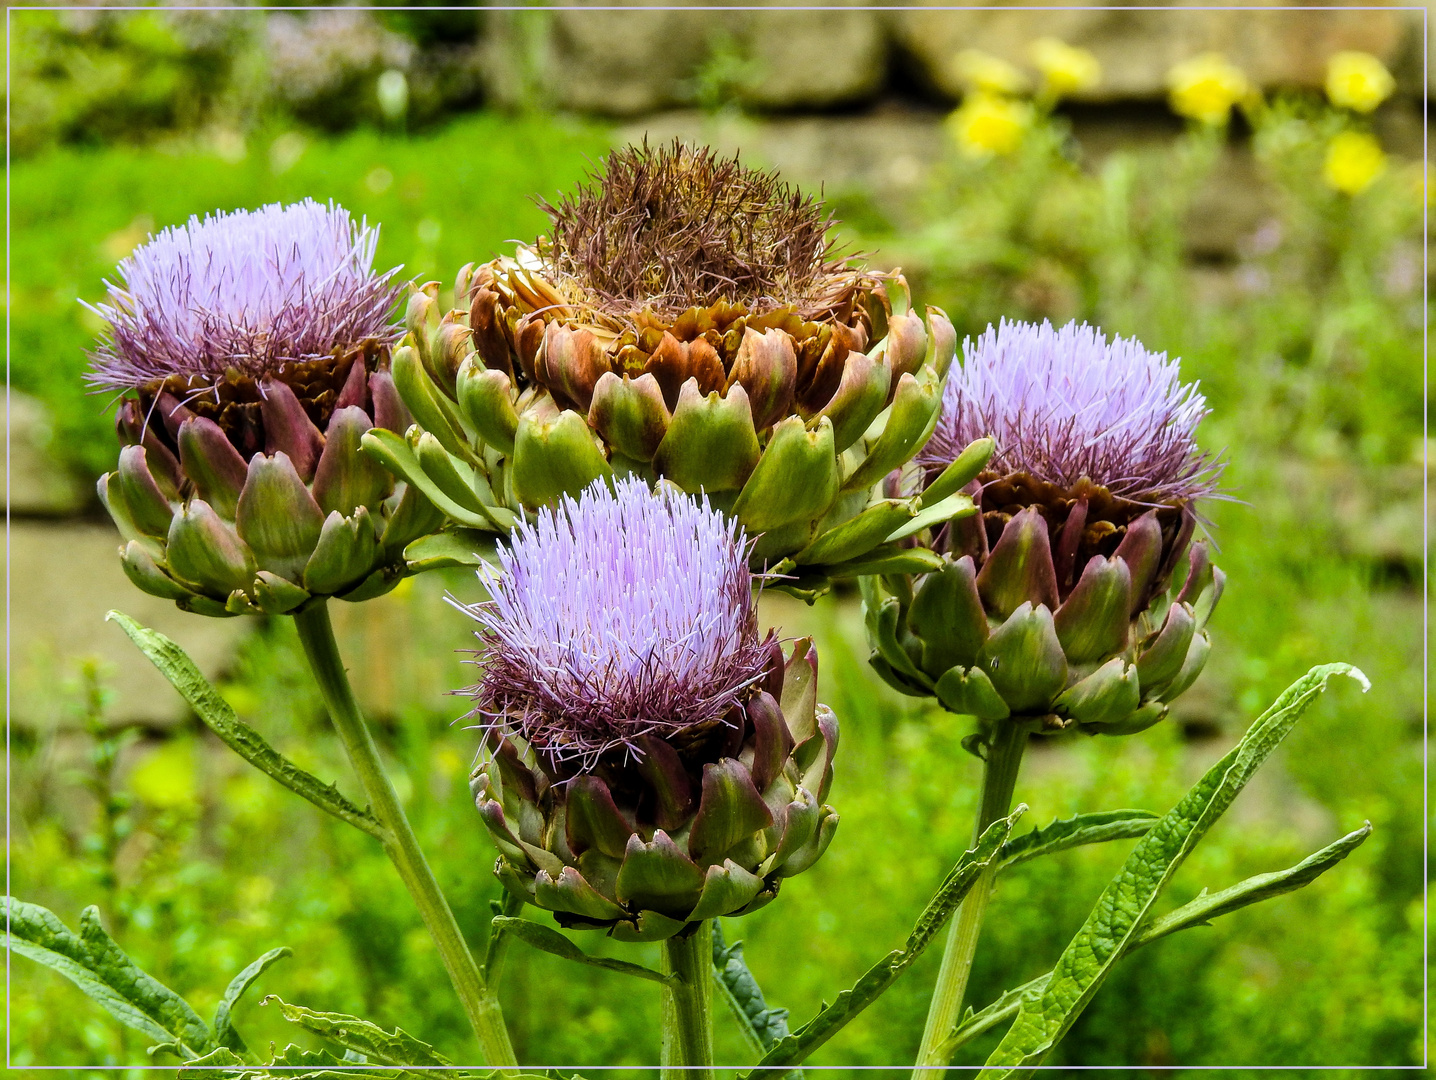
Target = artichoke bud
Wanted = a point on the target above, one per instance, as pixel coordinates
(252, 352)
(676, 831)
(663, 792)
(732, 290)
(1052, 603)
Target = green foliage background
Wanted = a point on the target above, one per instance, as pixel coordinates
(1313, 372)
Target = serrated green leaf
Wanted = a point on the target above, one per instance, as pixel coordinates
(221, 1063)
(548, 940)
(1076, 831)
(224, 1030)
(1199, 912)
(1043, 1018)
(1253, 890)
(382, 1047)
(761, 1026)
(298, 1056)
(831, 1019)
(93, 962)
(249, 744)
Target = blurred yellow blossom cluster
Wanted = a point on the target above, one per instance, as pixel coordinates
(1357, 81)
(1065, 69)
(994, 114)
(989, 124)
(1206, 87)
(1354, 161)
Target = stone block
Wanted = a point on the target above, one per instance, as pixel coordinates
(64, 577)
(38, 485)
(644, 58)
(1137, 48)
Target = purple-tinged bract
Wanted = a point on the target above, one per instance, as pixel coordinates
(625, 613)
(1067, 404)
(247, 292)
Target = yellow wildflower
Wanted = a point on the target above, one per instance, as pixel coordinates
(981, 71)
(986, 124)
(1357, 80)
(1065, 68)
(1206, 87)
(1354, 160)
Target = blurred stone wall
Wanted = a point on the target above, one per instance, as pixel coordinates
(631, 62)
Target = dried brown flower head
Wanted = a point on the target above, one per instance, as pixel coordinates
(677, 227)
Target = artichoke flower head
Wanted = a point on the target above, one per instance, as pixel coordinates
(251, 354)
(687, 319)
(1052, 602)
(654, 761)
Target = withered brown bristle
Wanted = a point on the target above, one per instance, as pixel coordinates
(676, 227)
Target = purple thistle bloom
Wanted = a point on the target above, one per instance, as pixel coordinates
(627, 612)
(247, 292)
(1067, 404)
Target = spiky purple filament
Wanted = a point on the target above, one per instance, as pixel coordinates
(1067, 404)
(247, 291)
(627, 612)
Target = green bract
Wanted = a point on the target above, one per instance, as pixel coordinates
(784, 423)
(678, 832)
(996, 637)
(308, 515)
(686, 320)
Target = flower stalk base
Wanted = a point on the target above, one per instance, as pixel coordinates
(687, 1052)
(316, 633)
(999, 778)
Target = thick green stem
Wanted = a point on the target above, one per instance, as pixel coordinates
(687, 1052)
(999, 778)
(317, 635)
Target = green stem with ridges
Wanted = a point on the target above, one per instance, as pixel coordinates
(687, 1050)
(999, 778)
(316, 633)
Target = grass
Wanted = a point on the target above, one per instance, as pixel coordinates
(199, 865)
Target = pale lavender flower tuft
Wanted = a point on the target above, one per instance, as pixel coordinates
(246, 292)
(625, 613)
(1067, 404)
